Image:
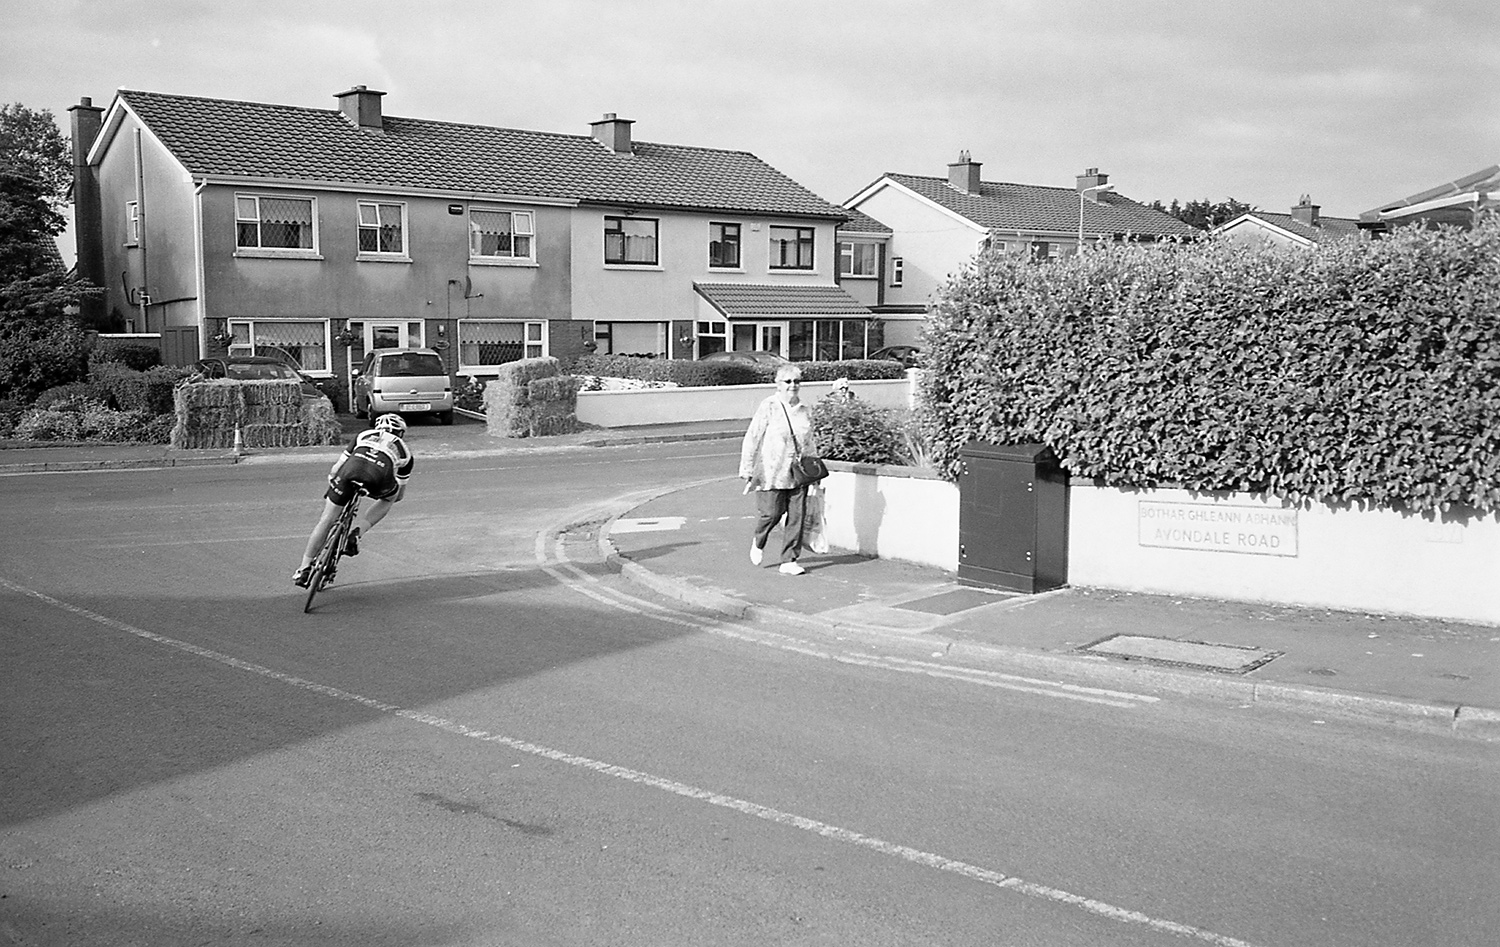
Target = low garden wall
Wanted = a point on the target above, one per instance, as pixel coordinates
(718, 403)
(1228, 546)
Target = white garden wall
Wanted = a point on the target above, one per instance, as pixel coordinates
(1227, 546)
(721, 403)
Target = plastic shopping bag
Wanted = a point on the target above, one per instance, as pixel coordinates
(814, 536)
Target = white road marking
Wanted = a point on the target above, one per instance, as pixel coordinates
(847, 836)
(659, 524)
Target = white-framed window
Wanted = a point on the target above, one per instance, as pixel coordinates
(304, 340)
(724, 246)
(898, 270)
(500, 236)
(132, 223)
(483, 343)
(276, 224)
(713, 336)
(859, 260)
(382, 229)
(630, 241)
(792, 248)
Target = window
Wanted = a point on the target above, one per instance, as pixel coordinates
(502, 235)
(898, 270)
(724, 245)
(857, 259)
(648, 339)
(132, 223)
(713, 336)
(382, 228)
(486, 343)
(835, 339)
(306, 341)
(630, 241)
(791, 248)
(274, 223)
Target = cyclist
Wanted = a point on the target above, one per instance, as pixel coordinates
(379, 463)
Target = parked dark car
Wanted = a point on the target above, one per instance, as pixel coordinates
(255, 368)
(754, 358)
(905, 354)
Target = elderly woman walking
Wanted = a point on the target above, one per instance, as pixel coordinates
(780, 429)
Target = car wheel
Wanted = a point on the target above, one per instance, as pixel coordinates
(445, 417)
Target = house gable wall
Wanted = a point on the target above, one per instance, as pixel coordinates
(932, 243)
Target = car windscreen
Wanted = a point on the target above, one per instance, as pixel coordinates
(410, 365)
(257, 372)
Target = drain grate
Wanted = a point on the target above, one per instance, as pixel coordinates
(958, 600)
(1173, 652)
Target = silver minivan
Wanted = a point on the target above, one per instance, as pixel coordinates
(407, 381)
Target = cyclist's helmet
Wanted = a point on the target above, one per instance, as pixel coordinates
(392, 424)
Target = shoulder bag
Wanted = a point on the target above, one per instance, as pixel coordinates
(805, 470)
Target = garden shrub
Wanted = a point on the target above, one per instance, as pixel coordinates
(856, 431)
(128, 352)
(133, 390)
(11, 411)
(75, 391)
(698, 373)
(1360, 372)
(39, 354)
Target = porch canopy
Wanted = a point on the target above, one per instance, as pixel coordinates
(762, 301)
(800, 322)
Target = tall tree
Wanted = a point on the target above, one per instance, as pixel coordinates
(32, 144)
(1204, 214)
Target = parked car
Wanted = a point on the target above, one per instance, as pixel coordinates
(255, 368)
(905, 354)
(754, 358)
(409, 381)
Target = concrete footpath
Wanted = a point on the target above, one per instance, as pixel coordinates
(692, 544)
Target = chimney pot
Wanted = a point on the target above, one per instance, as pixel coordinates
(1091, 178)
(1306, 212)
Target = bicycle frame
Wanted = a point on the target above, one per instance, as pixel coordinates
(325, 566)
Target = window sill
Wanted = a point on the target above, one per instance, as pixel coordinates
(868, 276)
(255, 254)
(635, 267)
(381, 258)
(791, 269)
(726, 269)
(501, 261)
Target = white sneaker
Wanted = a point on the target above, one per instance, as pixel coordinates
(791, 568)
(757, 554)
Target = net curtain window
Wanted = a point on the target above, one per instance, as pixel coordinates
(495, 343)
(275, 222)
(500, 234)
(305, 342)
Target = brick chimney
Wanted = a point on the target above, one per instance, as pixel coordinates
(88, 217)
(1091, 178)
(964, 173)
(1306, 212)
(614, 133)
(361, 106)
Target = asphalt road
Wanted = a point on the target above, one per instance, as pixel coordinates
(480, 737)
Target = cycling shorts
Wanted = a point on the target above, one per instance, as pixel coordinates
(369, 471)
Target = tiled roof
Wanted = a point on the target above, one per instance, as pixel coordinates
(1480, 182)
(222, 137)
(861, 222)
(759, 299)
(1030, 207)
(1328, 228)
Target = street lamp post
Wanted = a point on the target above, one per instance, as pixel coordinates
(1082, 196)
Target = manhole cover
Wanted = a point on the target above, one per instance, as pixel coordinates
(958, 600)
(1200, 655)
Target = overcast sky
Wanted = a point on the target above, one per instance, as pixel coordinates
(1353, 102)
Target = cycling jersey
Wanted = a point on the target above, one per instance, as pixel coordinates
(377, 462)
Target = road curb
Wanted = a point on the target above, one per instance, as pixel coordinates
(1478, 722)
(138, 463)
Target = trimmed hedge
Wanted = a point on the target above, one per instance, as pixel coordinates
(697, 373)
(1357, 373)
(128, 352)
(132, 390)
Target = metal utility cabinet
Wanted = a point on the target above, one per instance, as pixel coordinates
(1012, 518)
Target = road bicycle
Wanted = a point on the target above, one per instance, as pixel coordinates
(326, 565)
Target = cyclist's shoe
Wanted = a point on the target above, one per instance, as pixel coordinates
(351, 544)
(302, 577)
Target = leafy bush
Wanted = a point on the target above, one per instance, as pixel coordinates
(133, 390)
(59, 423)
(39, 354)
(76, 418)
(470, 395)
(1361, 372)
(698, 373)
(128, 352)
(847, 428)
(11, 412)
(75, 391)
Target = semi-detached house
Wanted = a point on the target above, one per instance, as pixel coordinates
(326, 232)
